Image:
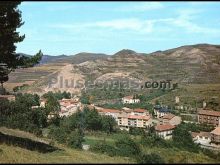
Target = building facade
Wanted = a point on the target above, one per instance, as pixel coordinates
(171, 119)
(165, 131)
(209, 117)
(159, 112)
(215, 136)
(129, 100)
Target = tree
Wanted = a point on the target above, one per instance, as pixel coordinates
(52, 104)
(75, 139)
(10, 20)
(183, 139)
(127, 147)
(108, 124)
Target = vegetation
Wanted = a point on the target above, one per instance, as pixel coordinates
(12, 154)
(58, 95)
(17, 88)
(19, 114)
(150, 159)
(100, 132)
(10, 18)
(71, 129)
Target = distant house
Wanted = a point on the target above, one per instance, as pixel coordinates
(125, 121)
(209, 117)
(164, 131)
(109, 112)
(139, 111)
(203, 138)
(130, 100)
(8, 97)
(43, 102)
(161, 111)
(68, 107)
(171, 119)
(127, 110)
(215, 136)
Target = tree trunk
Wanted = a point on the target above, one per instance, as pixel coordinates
(2, 89)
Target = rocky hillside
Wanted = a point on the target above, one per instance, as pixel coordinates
(187, 64)
(192, 64)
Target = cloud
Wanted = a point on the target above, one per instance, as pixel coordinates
(141, 6)
(187, 20)
(133, 24)
(202, 3)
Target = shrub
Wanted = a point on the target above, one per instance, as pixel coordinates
(75, 139)
(104, 149)
(127, 147)
(57, 134)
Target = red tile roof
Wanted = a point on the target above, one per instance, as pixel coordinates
(204, 134)
(209, 113)
(128, 97)
(168, 116)
(109, 110)
(139, 117)
(139, 110)
(194, 134)
(164, 127)
(216, 131)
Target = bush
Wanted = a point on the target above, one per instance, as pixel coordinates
(57, 134)
(104, 149)
(136, 131)
(127, 147)
(75, 139)
(183, 139)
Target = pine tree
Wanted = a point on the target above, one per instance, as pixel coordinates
(10, 20)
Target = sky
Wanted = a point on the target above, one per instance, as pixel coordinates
(107, 27)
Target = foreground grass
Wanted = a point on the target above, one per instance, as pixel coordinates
(12, 154)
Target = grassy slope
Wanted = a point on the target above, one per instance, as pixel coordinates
(189, 94)
(177, 156)
(11, 154)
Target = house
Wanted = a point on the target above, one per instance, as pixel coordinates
(215, 136)
(8, 97)
(43, 102)
(130, 100)
(68, 107)
(122, 121)
(164, 131)
(203, 138)
(139, 111)
(109, 112)
(161, 111)
(127, 110)
(194, 135)
(209, 117)
(125, 121)
(171, 119)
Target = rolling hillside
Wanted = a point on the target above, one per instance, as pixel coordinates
(192, 64)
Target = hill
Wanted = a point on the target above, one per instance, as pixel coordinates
(14, 154)
(191, 64)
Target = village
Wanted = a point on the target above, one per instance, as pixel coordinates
(162, 119)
